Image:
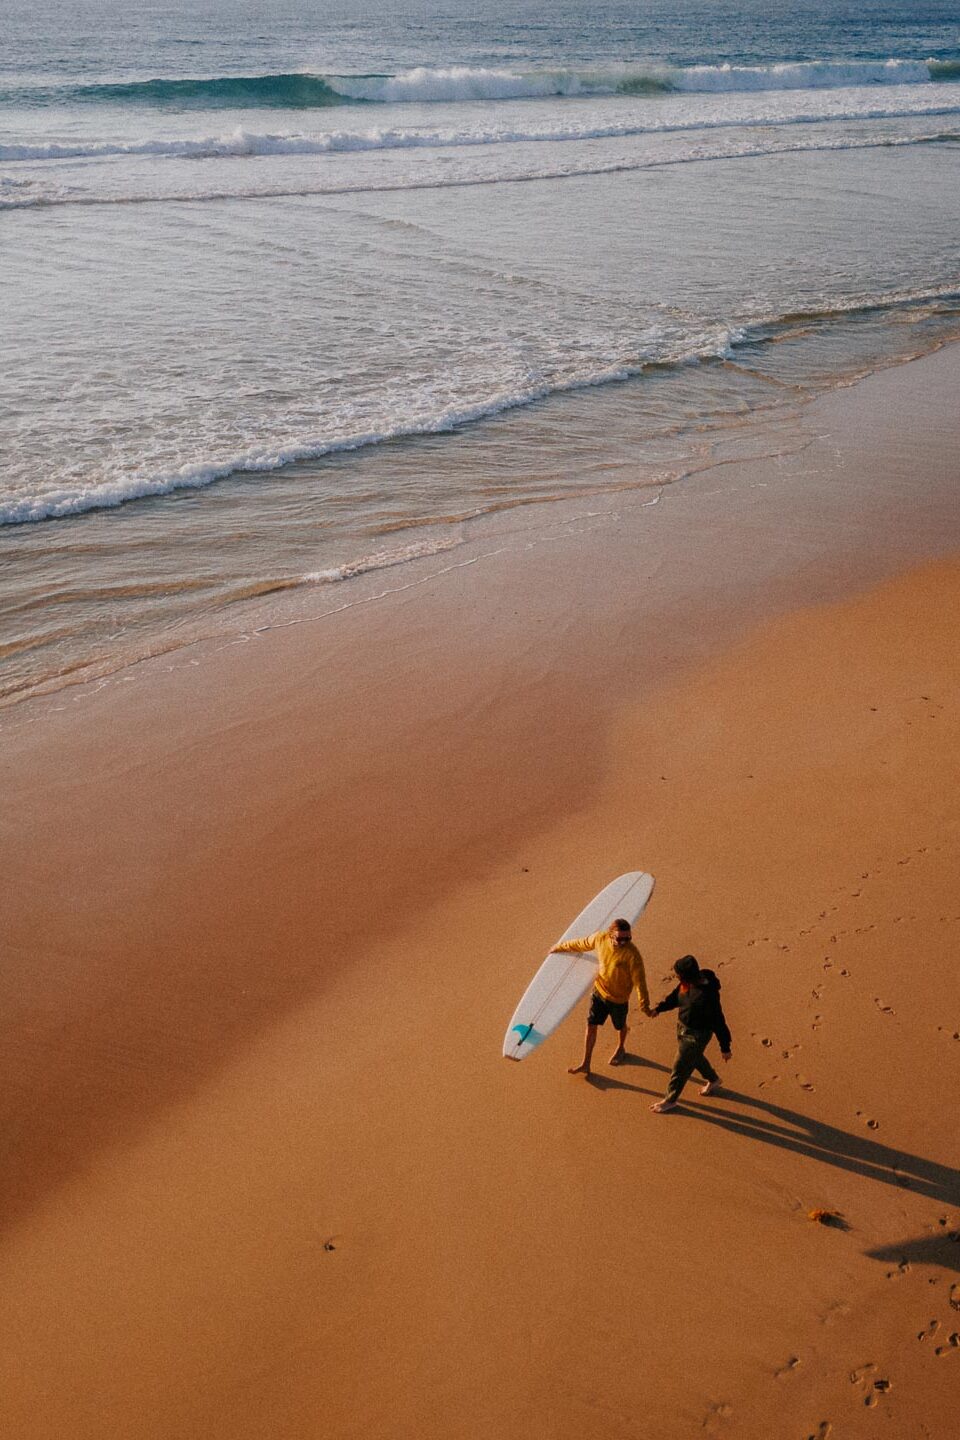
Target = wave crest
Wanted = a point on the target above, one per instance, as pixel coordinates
(260, 92)
(426, 85)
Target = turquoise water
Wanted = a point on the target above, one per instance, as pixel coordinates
(296, 292)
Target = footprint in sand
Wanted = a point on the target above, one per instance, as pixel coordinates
(804, 1083)
(884, 1009)
(955, 1296)
(880, 1387)
(953, 1343)
(718, 1411)
(822, 1431)
(931, 1330)
(870, 1124)
(858, 1376)
(788, 1368)
(835, 1312)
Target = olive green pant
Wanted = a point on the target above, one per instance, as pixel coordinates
(690, 1058)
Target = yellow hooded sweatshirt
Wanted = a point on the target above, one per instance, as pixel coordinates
(621, 967)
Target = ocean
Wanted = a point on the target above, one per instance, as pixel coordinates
(295, 293)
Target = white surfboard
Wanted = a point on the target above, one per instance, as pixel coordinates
(563, 980)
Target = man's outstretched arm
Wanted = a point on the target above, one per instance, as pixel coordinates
(575, 947)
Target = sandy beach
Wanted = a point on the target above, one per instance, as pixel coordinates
(268, 907)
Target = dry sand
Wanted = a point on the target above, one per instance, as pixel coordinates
(264, 1171)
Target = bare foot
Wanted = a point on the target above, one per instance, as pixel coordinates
(618, 1057)
(579, 1070)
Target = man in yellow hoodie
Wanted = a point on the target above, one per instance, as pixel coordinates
(620, 968)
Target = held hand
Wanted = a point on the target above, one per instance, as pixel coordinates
(726, 1055)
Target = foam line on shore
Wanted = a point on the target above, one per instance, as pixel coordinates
(242, 143)
(665, 352)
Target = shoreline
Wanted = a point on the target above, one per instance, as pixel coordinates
(268, 914)
(262, 603)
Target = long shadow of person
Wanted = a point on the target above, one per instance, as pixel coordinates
(937, 1249)
(601, 1081)
(789, 1130)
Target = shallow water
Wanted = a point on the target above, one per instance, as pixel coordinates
(287, 299)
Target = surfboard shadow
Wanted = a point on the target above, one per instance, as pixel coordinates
(789, 1130)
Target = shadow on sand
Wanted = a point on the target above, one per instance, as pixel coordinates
(937, 1249)
(789, 1130)
(614, 1077)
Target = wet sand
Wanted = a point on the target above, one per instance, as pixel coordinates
(267, 911)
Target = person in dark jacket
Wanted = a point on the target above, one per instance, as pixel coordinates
(699, 1017)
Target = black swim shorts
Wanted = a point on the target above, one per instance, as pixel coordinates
(601, 1008)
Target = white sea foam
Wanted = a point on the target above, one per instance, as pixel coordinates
(32, 194)
(242, 143)
(457, 83)
(56, 501)
(425, 85)
(382, 560)
(460, 82)
(669, 347)
(808, 75)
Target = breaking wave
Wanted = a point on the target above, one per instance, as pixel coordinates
(425, 85)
